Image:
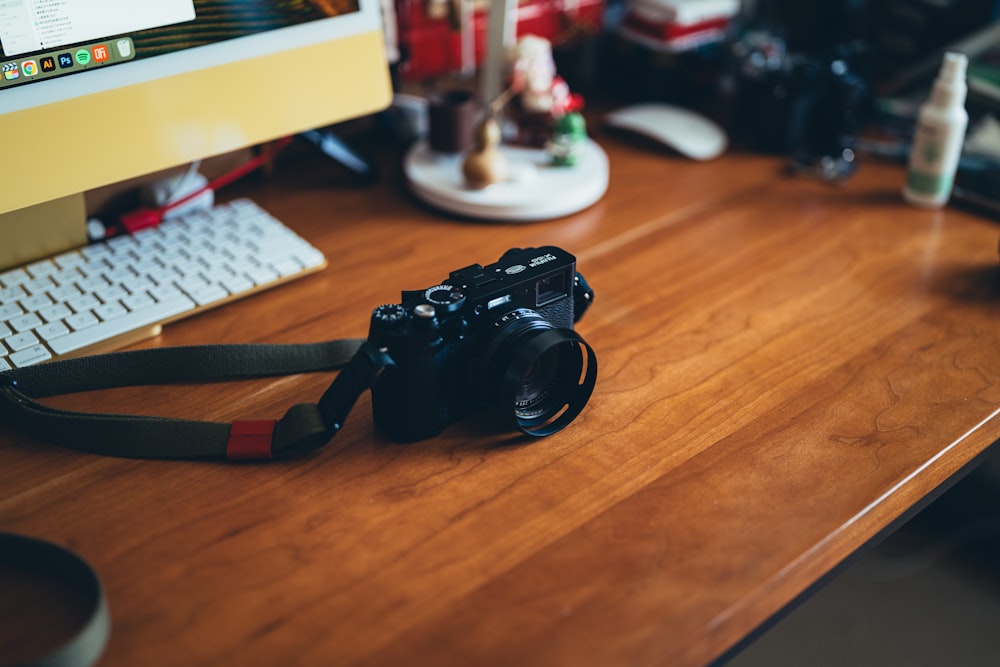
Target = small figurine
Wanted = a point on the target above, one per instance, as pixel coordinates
(540, 96)
(533, 74)
(485, 164)
(568, 137)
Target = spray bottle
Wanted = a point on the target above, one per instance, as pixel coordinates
(940, 133)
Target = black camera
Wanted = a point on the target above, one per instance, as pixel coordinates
(808, 105)
(499, 336)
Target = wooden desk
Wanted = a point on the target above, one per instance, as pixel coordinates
(786, 368)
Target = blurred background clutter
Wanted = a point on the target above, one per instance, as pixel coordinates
(826, 83)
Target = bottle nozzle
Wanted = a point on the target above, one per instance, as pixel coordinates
(953, 68)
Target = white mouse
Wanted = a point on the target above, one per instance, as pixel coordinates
(686, 132)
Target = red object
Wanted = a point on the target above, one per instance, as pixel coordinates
(151, 217)
(250, 440)
(432, 48)
(142, 218)
(668, 32)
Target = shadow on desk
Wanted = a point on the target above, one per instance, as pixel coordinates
(970, 284)
(928, 595)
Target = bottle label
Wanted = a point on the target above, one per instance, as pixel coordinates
(933, 159)
(928, 148)
(931, 184)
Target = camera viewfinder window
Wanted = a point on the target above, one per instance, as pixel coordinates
(550, 288)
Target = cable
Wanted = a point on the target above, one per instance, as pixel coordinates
(150, 217)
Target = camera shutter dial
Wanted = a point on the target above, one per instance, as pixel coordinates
(389, 314)
(445, 298)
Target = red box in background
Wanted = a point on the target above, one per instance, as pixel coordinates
(431, 47)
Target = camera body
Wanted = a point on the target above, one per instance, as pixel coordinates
(808, 105)
(463, 344)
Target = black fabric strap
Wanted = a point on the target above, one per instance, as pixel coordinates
(178, 364)
(303, 427)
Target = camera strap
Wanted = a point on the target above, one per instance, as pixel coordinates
(304, 426)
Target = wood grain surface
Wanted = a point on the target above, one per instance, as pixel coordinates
(786, 368)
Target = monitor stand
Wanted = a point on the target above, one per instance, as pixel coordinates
(335, 148)
(42, 230)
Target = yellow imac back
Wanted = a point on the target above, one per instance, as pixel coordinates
(93, 92)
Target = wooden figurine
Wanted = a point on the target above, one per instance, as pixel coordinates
(485, 165)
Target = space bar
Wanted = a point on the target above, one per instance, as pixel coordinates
(120, 325)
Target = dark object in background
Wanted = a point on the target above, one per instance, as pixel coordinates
(907, 37)
(816, 26)
(908, 34)
(809, 107)
(452, 116)
(978, 187)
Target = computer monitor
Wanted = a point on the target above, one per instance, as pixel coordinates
(93, 92)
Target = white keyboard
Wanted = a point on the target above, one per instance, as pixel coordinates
(124, 289)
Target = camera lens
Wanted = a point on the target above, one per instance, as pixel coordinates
(536, 383)
(543, 373)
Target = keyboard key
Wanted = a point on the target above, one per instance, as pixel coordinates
(286, 267)
(26, 322)
(262, 275)
(208, 293)
(164, 292)
(138, 301)
(38, 286)
(119, 274)
(187, 267)
(55, 313)
(14, 277)
(92, 283)
(33, 303)
(95, 334)
(110, 311)
(20, 341)
(43, 268)
(52, 331)
(218, 272)
(83, 303)
(144, 266)
(31, 356)
(65, 292)
(94, 252)
(120, 243)
(110, 293)
(66, 277)
(310, 257)
(11, 294)
(192, 283)
(147, 238)
(82, 320)
(68, 260)
(237, 284)
(139, 285)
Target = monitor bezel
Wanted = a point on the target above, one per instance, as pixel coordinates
(270, 42)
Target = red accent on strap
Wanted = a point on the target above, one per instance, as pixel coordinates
(250, 440)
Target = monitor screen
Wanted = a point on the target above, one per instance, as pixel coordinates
(46, 39)
(93, 92)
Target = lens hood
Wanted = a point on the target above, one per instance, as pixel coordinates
(543, 374)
